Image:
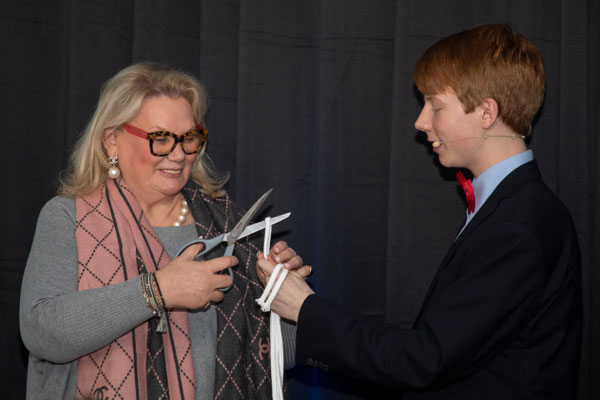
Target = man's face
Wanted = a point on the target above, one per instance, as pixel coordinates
(443, 119)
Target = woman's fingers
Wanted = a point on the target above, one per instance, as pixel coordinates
(220, 281)
(221, 263)
(191, 284)
(191, 252)
(216, 296)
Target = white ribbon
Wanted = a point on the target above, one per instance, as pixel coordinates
(276, 339)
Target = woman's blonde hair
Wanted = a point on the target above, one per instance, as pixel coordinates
(120, 101)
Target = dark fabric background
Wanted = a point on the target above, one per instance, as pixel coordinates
(314, 98)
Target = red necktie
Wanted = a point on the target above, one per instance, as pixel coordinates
(468, 188)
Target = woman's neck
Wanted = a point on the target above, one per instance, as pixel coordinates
(165, 211)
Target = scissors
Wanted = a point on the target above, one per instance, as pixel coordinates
(239, 231)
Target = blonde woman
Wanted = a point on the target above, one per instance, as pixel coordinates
(107, 311)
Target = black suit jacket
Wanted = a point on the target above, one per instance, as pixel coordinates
(501, 320)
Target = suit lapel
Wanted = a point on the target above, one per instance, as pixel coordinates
(509, 185)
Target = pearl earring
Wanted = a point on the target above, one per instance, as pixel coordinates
(113, 171)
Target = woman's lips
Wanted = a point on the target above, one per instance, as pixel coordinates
(171, 173)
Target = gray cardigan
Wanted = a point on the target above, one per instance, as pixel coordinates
(60, 324)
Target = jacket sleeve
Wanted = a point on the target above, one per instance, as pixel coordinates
(58, 323)
(489, 295)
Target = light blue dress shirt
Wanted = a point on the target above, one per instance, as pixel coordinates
(486, 183)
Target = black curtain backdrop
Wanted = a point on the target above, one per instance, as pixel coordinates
(314, 98)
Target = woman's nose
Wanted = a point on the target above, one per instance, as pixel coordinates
(177, 154)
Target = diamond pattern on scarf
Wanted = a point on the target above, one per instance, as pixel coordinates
(156, 373)
(185, 356)
(100, 249)
(115, 243)
(240, 372)
(104, 385)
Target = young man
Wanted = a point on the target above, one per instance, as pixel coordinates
(502, 318)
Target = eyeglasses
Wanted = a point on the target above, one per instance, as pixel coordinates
(162, 143)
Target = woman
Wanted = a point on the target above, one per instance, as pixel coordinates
(107, 311)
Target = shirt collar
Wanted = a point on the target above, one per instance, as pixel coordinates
(486, 183)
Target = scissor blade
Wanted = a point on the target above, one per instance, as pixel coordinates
(259, 226)
(241, 225)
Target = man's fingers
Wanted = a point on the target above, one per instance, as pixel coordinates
(265, 266)
(294, 263)
(284, 255)
(305, 271)
(278, 248)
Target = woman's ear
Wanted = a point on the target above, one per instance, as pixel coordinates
(489, 114)
(109, 141)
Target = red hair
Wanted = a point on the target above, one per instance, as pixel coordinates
(488, 61)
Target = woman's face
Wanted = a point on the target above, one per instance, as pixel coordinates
(152, 178)
(443, 118)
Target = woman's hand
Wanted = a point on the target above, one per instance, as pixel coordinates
(292, 293)
(190, 284)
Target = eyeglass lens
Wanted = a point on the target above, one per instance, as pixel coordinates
(163, 143)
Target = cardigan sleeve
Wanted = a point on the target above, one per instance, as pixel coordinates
(59, 323)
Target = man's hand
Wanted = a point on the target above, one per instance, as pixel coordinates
(292, 293)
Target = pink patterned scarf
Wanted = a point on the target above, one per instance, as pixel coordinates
(115, 242)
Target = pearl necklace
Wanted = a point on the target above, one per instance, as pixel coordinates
(183, 212)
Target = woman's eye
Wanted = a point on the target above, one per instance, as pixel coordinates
(161, 139)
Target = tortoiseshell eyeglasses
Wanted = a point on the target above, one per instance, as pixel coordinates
(162, 143)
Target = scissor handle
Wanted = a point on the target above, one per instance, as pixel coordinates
(210, 244)
(228, 252)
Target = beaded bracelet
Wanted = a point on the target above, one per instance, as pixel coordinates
(145, 279)
(157, 292)
(155, 305)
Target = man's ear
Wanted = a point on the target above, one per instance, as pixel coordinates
(489, 116)
(109, 141)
